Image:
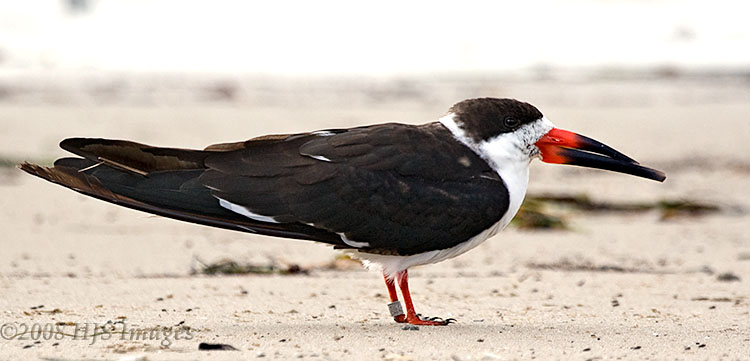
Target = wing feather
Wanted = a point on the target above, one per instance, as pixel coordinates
(389, 186)
(389, 189)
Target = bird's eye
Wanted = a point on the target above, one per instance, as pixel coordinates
(511, 122)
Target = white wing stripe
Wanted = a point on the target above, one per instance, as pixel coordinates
(245, 212)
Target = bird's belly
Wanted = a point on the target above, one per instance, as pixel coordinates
(394, 264)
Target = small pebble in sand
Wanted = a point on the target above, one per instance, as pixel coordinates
(728, 277)
(215, 347)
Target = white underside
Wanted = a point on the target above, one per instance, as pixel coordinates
(391, 265)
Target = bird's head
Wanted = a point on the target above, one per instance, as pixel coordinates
(508, 130)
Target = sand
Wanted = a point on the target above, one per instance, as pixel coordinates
(613, 286)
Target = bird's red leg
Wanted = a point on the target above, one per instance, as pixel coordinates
(411, 315)
(394, 305)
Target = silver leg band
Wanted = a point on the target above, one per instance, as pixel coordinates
(395, 308)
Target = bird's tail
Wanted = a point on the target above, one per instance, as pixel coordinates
(161, 181)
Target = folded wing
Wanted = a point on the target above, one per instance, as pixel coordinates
(388, 189)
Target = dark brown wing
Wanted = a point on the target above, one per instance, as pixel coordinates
(134, 156)
(162, 181)
(399, 189)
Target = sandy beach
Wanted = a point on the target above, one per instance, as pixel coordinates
(614, 285)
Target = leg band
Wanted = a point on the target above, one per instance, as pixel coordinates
(395, 308)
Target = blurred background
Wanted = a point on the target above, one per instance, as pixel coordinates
(348, 63)
(637, 262)
(665, 81)
(392, 37)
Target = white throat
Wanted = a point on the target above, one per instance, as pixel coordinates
(509, 154)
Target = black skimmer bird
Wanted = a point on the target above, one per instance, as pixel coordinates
(394, 195)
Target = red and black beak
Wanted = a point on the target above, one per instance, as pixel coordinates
(564, 147)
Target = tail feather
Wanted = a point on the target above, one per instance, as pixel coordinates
(177, 190)
(173, 193)
(91, 186)
(136, 157)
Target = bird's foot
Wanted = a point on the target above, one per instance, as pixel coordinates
(429, 321)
